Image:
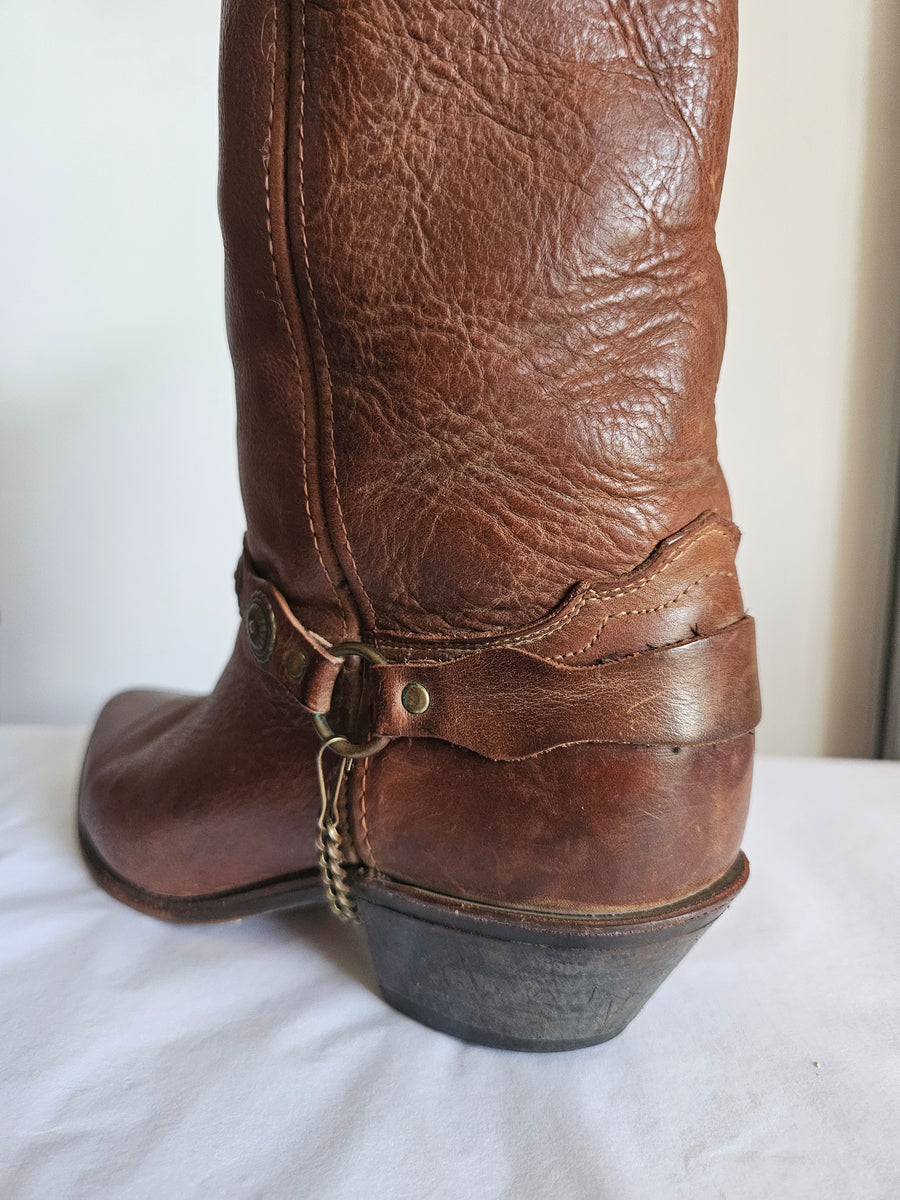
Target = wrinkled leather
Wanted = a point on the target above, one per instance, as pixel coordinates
(687, 588)
(476, 314)
(698, 687)
(506, 241)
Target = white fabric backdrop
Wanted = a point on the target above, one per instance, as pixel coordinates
(254, 1060)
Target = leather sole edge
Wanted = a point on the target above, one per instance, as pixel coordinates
(293, 891)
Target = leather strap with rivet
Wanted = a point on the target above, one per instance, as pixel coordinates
(298, 659)
(506, 703)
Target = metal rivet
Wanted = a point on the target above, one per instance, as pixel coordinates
(260, 625)
(415, 698)
(295, 664)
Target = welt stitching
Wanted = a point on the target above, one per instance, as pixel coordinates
(281, 308)
(316, 321)
(638, 612)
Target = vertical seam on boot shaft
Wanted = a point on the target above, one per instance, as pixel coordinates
(273, 54)
(317, 328)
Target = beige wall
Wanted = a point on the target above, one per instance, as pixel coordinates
(119, 513)
(810, 392)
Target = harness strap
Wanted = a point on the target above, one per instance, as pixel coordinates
(507, 703)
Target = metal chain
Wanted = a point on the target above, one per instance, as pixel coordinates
(329, 841)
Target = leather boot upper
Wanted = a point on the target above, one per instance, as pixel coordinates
(477, 315)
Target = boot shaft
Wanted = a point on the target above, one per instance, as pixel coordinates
(475, 304)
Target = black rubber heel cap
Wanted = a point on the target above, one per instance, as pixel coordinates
(523, 981)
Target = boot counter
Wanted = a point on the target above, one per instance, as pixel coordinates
(585, 829)
(581, 828)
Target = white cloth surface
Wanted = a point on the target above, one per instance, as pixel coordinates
(255, 1060)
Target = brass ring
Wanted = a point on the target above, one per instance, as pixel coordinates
(341, 745)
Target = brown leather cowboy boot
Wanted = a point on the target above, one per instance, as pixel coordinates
(488, 588)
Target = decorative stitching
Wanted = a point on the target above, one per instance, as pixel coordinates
(592, 596)
(612, 593)
(396, 636)
(559, 623)
(464, 641)
(638, 612)
(273, 52)
(317, 323)
(476, 642)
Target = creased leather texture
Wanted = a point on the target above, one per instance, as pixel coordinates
(527, 334)
(476, 314)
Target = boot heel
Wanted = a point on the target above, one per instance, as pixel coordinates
(526, 981)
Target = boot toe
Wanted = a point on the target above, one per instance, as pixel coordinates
(130, 712)
(196, 803)
(114, 807)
